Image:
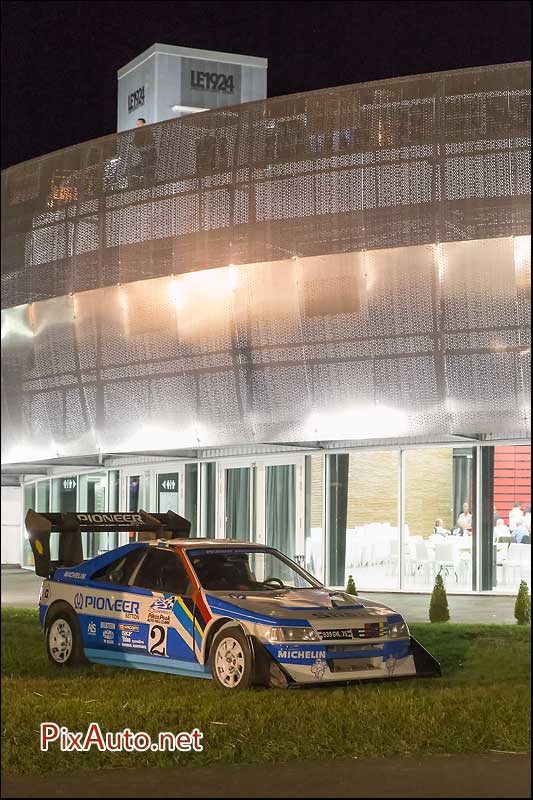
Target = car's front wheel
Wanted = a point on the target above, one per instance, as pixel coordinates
(63, 638)
(231, 659)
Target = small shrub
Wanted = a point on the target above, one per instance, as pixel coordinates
(522, 606)
(350, 586)
(438, 606)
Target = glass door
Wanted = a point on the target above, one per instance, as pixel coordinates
(280, 508)
(237, 503)
(168, 492)
(135, 496)
(263, 501)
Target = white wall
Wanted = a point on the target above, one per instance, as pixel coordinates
(10, 538)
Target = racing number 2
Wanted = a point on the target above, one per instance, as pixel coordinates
(157, 640)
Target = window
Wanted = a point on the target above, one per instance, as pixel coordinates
(238, 569)
(362, 519)
(120, 570)
(439, 533)
(163, 571)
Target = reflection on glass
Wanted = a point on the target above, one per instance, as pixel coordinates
(362, 517)
(314, 530)
(208, 475)
(512, 516)
(280, 504)
(191, 495)
(438, 515)
(167, 492)
(64, 494)
(113, 489)
(29, 502)
(134, 492)
(93, 498)
(43, 496)
(237, 498)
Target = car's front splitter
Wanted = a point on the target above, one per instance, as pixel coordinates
(314, 663)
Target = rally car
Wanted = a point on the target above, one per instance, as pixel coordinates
(240, 613)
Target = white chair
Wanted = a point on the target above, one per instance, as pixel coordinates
(518, 562)
(447, 557)
(424, 562)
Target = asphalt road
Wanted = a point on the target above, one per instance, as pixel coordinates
(491, 775)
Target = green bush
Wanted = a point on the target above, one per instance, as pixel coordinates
(522, 607)
(438, 606)
(350, 586)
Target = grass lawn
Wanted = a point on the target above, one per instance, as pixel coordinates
(481, 703)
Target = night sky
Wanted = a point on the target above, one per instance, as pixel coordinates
(59, 60)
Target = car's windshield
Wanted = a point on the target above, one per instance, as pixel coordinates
(238, 569)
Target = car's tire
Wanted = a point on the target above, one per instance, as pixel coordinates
(64, 644)
(231, 659)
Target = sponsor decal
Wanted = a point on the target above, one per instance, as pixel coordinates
(155, 616)
(157, 639)
(163, 603)
(319, 668)
(295, 655)
(159, 611)
(78, 575)
(139, 643)
(128, 627)
(46, 593)
(114, 519)
(108, 635)
(91, 629)
(110, 625)
(130, 608)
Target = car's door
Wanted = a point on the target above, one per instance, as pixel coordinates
(108, 603)
(167, 612)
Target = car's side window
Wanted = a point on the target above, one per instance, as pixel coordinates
(120, 570)
(163, 571)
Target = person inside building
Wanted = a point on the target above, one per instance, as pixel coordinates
(464, 521)
(143, 154)
(439, 529)
(521, 534)
(501, 530)
(516, 515)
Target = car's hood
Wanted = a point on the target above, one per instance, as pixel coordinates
(324, 606)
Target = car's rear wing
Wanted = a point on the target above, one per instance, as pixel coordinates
(70, 526)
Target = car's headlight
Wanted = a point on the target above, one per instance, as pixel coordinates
(398, 629)
(292, 635)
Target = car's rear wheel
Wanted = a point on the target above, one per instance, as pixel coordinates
(231, 659)
(63, 638)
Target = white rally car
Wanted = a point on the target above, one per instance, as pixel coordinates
(240, 613)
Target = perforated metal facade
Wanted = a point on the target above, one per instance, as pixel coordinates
(339, 264)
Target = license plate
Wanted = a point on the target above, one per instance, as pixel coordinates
(344, 633)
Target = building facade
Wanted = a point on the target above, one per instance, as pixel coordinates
(303, 321)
